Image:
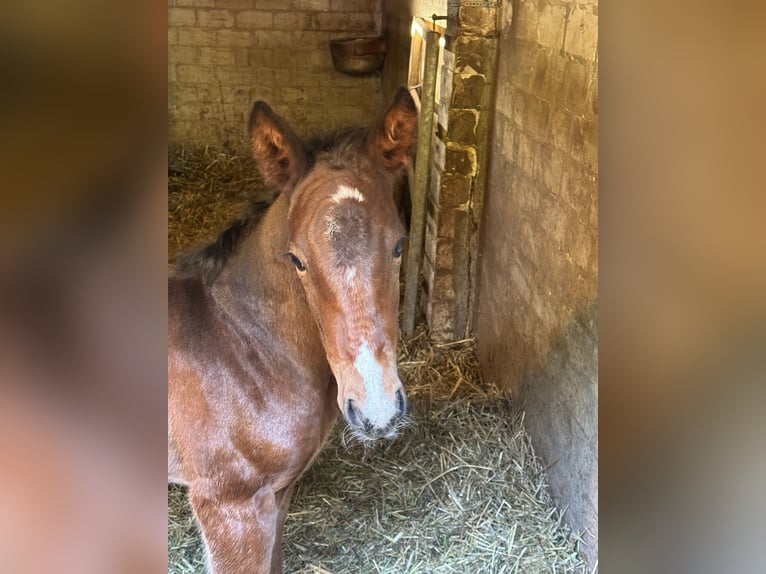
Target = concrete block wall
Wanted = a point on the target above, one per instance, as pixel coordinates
(225, 54)
(538, 271)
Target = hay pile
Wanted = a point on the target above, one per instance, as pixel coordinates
(207, 189)
(460, 492)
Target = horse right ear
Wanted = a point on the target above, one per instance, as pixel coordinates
(279, 153)
(396, 134)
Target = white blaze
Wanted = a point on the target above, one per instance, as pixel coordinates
(345, 192)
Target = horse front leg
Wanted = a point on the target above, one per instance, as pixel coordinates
(283, 500)
(239, 528)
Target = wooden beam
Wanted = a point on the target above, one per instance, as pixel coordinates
(420, 191)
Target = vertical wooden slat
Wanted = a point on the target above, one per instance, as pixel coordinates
(420, 191)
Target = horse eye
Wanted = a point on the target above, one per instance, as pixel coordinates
(297, 262)
(399, 248)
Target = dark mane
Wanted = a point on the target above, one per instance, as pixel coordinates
(207, 262)
(340, 149)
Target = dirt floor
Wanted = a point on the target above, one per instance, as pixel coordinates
(460, 492)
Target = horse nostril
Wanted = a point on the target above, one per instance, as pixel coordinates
(401, 404)
(352, 415)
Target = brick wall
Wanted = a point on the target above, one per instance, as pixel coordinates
(538, 272)
(225, 54)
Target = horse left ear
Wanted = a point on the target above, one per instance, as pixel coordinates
(279, 153)
(396, 134)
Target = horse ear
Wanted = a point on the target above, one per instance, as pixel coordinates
(395, 136)
(279, 153)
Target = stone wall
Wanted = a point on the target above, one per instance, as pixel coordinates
(225, 54)
(459, 174)
(538, 272)
(460, 152)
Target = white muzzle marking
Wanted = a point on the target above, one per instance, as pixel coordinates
(378, 409)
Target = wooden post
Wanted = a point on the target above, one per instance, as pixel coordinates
(420, 190)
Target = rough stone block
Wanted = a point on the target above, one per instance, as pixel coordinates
(228, 75)
(462, 126)
(441, 324)
(306, 79)
(193, 73)
(577, 83)
(540, 74)
(215, 57)
(181, 17)
(292, 21)
(561, 129)
(523, 66)
(538, 117)
(551, 168)
(525, 157)
(526, 193)
(317, 5)
(262, 58)
(183, 55)
(234, 38)
(234, 4)
(554, 220)
(255, 19)
(577, 141)
(518, 111)
(344, 21)
(526, 21)
(471, 91)
(555, 73)
(460, 159)
(580, 242)
(582, 34)
(349, 5)
(474, 55)
(195, 3)
(272, 39)
(478, 20)
(196, 37)
(274, 5)
(454, 190)
(576, 185)
(550, 26)
(215, 18)
(442, 291)
(443, 255)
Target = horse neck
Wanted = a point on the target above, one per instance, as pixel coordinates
(261, 294)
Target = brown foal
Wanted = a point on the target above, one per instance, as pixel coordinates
(289, 317)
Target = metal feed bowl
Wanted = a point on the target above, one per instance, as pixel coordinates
(358, 56)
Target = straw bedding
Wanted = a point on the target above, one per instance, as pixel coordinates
(460, 492)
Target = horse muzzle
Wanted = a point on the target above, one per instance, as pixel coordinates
(378, 419)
